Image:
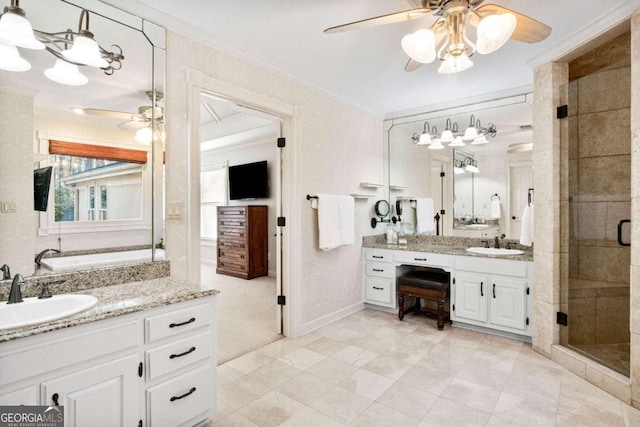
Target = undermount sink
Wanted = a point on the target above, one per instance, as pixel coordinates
(32, 311)
(494, 251)
(476, 226)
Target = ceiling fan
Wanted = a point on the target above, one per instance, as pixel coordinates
(447, 39)
(132, 120)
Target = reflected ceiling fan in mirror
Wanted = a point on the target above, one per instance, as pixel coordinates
(447, 38)
(140, 120)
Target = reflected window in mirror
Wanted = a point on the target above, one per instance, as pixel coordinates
(88, 189)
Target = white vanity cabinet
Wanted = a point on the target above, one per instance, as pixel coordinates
(492, 293)
(150, 368)
(379, 278)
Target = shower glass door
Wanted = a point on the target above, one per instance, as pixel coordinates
(597, 140)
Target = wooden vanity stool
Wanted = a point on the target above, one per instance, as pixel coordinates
(427, 284)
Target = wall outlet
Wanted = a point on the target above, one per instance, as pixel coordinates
(174, 210)
(7, 207)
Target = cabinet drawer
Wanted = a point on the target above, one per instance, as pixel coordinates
(378, 255)
(379, 291)
(232, 233)
(167, 358)
(239, 222)
(233, 254)
(232, 264)
(380, 269)
(423, 258)
(176, 401)
(229, 244)
(177, 322)
(24, 396)
(492, 266)
(226, 211)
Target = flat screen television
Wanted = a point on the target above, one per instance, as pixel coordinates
(249, 181)
(41, 184)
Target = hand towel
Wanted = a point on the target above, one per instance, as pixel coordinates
(526, 234)
(496, 209)
(336, 221)
(424, 216)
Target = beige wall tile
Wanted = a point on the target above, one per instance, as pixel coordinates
(582, 321)
(605, 176)
(617, 211)
(608, 264)
(605, 90)
(606, 133)
(592, 219)
(635, 301)
(544, 333)
(570, 360)
(612, 320)
(635, 369)
(608, 380)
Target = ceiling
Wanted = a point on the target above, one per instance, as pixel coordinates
(366, 67)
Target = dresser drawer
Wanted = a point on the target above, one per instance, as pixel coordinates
(238, 254)
(177, 322)
(423, 258)
(170, 357)
(380, 269)
(235, 223)
(233, 263)
(379, 255)
(228, 244)
(379, 291)
(176, 401)
(231, 211)
(230, 233)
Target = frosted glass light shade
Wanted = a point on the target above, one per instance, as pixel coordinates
(16, 30)
(66, 74)
(436, 146)
(454, 64)
(85, 50)
(420, 46)
(447, 136)
(425, 139)
(494, 31)
(480, 140)
(10, 59)
(144, 136)
(470, 134)
(472, 168)
(457, 142)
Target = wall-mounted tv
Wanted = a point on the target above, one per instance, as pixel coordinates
(41, 184)
(249, 181)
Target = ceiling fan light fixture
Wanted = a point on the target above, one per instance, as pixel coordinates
(16, 30)
(10, 59)
(85, 50)
(455, 64)
(494, 31)
(420, 46)
(144, 135)
(65, 73)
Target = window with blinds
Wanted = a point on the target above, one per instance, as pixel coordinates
(213, 193)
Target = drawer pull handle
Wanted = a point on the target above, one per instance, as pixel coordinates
(377, 256)
(481, 290)
(378, 289)
(494, 290)
(191, 350)
(378, 270)
(174, 398)
(173, 325)
(419, 259)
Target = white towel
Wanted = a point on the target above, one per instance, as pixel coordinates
(496, 209)
(424, 216)
(526, 234)
(336, 221)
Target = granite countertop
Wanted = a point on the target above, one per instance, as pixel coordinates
(446, 245)
(117, 300)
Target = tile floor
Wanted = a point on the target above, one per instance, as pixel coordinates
(369, 369)
(246, 312)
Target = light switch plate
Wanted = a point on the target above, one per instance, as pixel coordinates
(7, 207)
(174, 210)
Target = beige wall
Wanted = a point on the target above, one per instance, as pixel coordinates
(335, 147)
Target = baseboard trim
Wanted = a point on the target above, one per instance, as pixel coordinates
(305, 328)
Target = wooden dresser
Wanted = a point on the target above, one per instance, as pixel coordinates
(243, 245)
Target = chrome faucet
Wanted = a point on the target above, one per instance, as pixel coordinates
(15, 295)
(6, 273)
(43, 253)
(496, 243)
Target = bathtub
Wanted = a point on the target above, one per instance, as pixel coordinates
(79, 262)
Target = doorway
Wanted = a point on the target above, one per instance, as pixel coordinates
(520, 182)
(233, 136)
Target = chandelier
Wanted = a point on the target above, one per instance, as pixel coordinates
(475, 134)
(71, 49)
(448, 41)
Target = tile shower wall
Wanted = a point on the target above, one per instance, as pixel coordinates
(599, 171)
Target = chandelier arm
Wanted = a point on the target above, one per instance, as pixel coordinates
(84, 13)
(471, 44)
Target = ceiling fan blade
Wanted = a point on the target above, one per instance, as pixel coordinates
(412, 65)
(391, 18)
(133, 124)
(109, 113)
(528, 30)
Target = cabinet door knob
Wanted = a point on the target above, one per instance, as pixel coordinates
(54, 397)
(513, 217)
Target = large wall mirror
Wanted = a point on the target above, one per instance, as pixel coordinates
(84, 143)
(446, 174)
